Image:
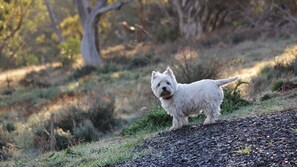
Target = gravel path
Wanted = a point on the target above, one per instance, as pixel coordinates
(269, 140)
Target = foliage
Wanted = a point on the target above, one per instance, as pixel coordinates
(108, 67)
(139, 61)
(69, 51)
(269, 76)
(233, 99)
(4, 145)
(86, 132)
(167, 34)
(9, 126)
(102, 108)
(277, 86)
(83, 71)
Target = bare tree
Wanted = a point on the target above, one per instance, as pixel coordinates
(89, 18)
(198, 16)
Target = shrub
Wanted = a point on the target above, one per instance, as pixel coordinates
(102, 111)
(86, 132)
(277, 86)
(9, 126)
(83, 71)
(137, 62)
(4, 145)
(283, 85)
(266, 96)
(42, 138)
(68, 118)
(189, 70)
(233, 99)
(63, 139)
(167, 34)
(68, 51)
(108, 67)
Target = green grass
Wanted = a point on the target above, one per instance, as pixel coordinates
(105, 152)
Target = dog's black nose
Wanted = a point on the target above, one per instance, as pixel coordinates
(164, 88)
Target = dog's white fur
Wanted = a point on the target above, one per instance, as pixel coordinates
(184, 100)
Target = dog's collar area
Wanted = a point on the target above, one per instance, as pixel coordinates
(167, 98)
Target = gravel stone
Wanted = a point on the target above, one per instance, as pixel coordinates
(272, 140)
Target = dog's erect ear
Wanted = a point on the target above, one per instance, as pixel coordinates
(169, 72)
(154, 75)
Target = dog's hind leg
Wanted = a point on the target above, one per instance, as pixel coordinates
(212, 115)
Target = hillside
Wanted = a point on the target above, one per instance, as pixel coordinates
(123, 92)
(267, 140)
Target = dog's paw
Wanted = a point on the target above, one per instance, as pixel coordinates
(173, 128)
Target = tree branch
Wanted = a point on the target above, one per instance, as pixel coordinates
(97, 10)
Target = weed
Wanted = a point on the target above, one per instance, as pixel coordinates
(246, 150)
(233, 99)
(294, 130)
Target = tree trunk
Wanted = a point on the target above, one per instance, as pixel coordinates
(90, 17)
(189, 12)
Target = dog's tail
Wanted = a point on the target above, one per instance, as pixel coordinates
(221, 82)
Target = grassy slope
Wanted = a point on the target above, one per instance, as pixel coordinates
(119, 148)
(246, 58)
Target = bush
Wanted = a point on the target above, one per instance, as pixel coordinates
(5, 153)
(68, 118)
(86, 132)
(189, 70)
(167, 34)
(277, 86)
(63, 139)
(233, 99)
(137, 62)
(83, 71)
(9, 126)
(102, 111)
(69, 51)
(108, 67)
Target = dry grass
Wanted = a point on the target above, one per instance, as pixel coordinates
(132, 91)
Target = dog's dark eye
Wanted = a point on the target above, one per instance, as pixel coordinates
(168, 83)
(158, 85)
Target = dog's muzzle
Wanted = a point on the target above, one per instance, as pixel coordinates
(166, 94)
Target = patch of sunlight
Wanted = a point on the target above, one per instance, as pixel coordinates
(288, 55)
(115, 75)
(17, 74)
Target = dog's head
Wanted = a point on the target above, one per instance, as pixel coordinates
(163, 84)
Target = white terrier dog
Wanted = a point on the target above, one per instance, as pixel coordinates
(184, 100)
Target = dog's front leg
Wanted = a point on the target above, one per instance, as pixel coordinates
(174, 123)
